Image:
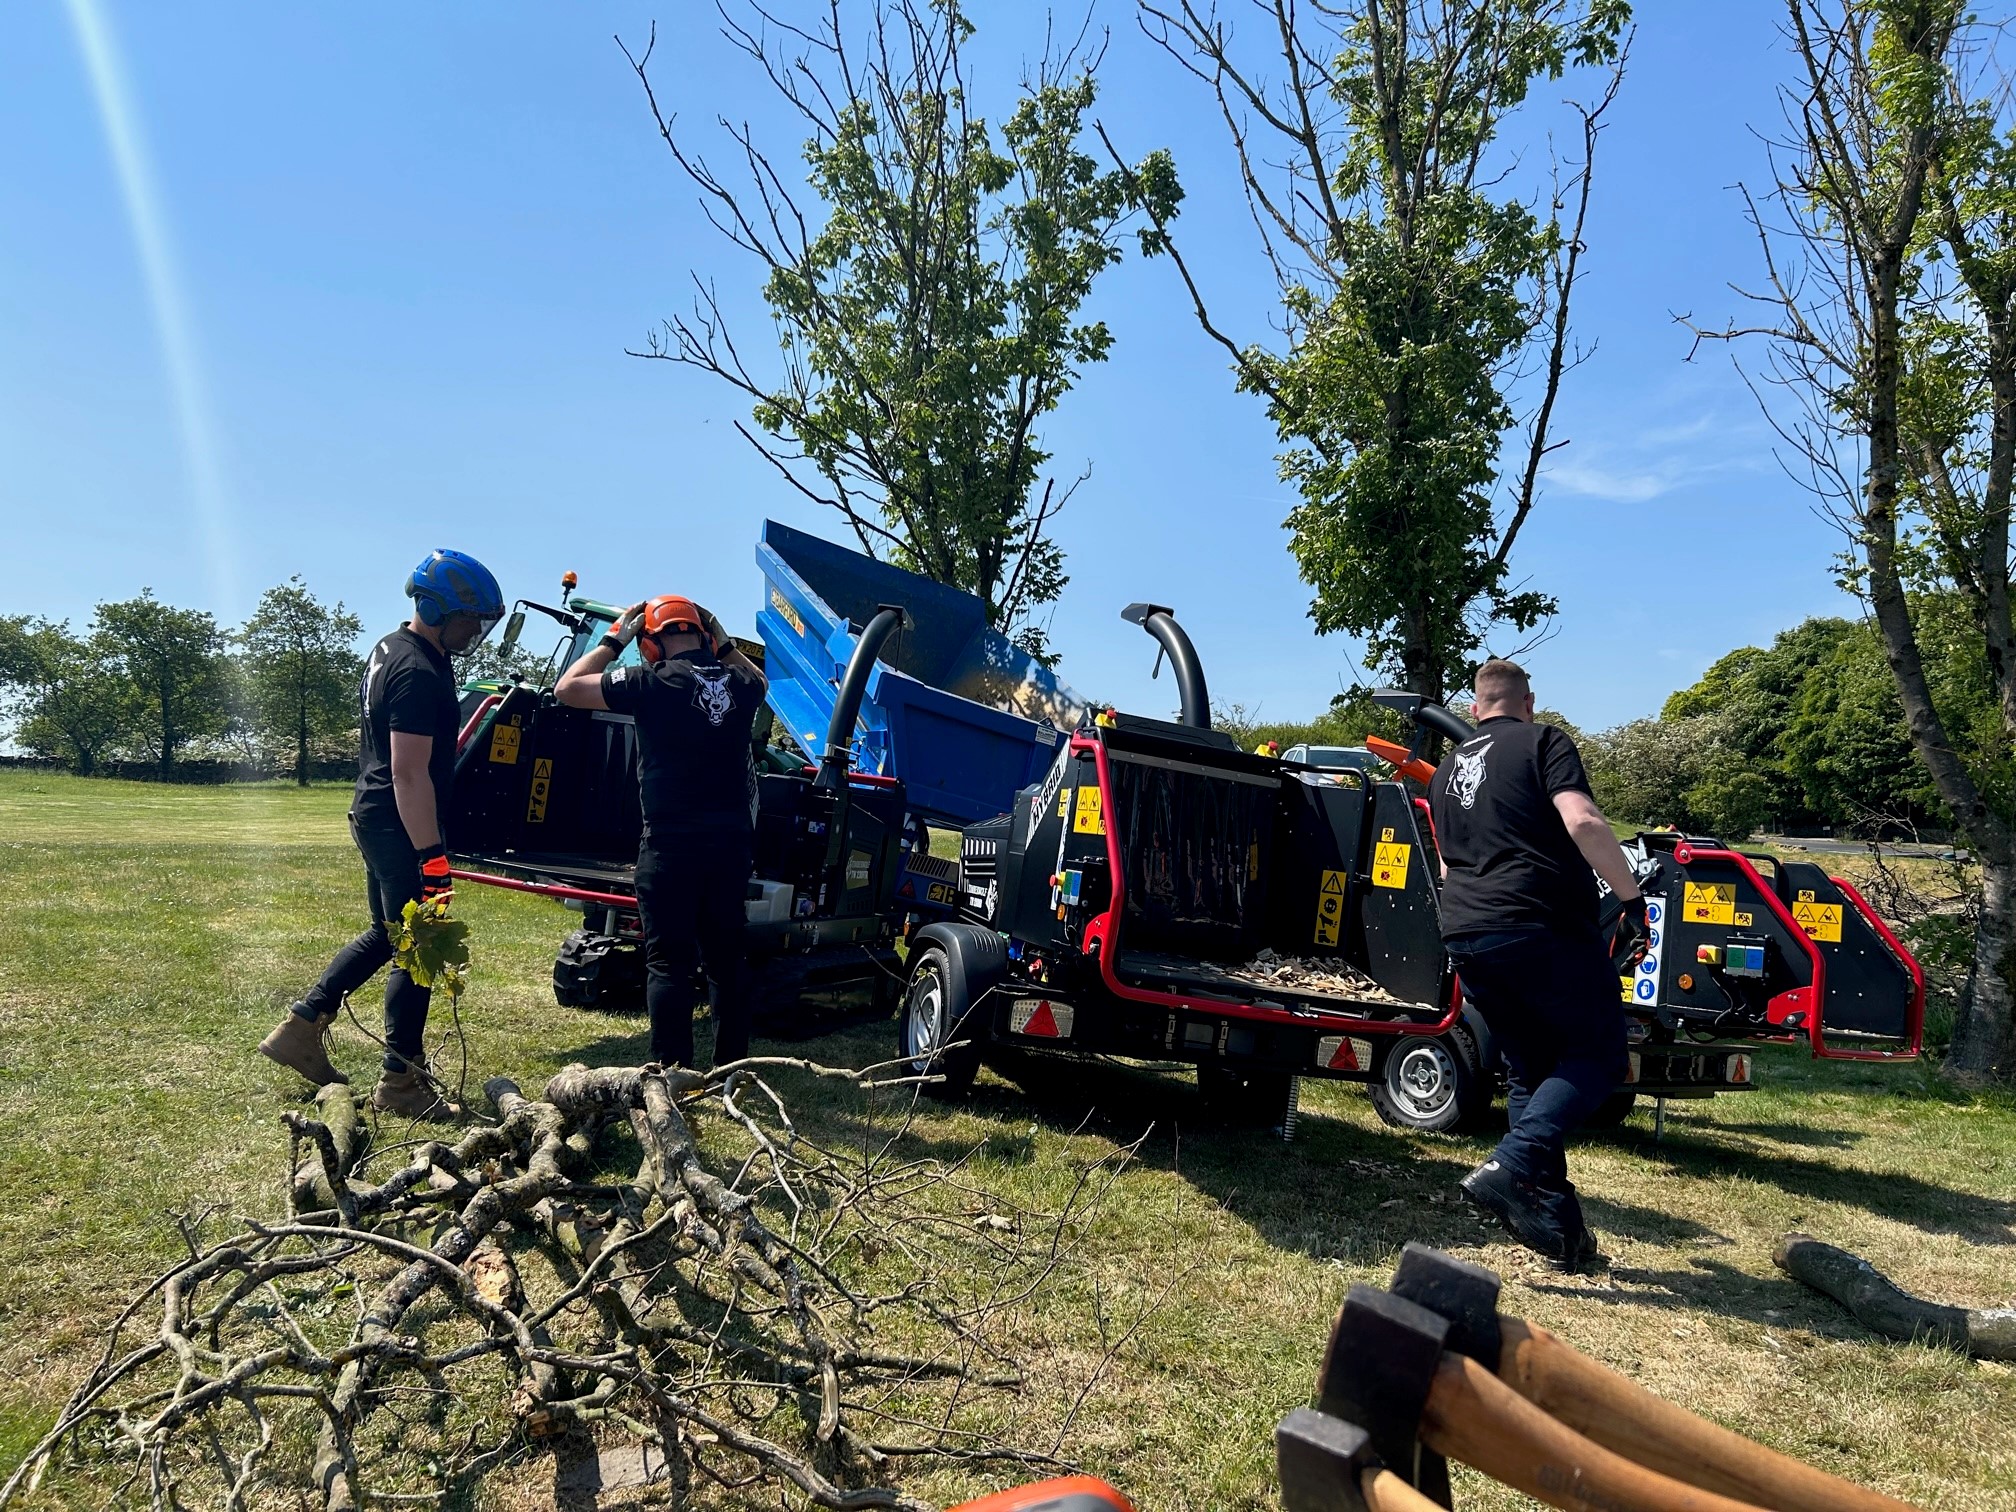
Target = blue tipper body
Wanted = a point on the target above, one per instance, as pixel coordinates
(955, 709)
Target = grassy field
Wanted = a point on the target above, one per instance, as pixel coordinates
(154, 933)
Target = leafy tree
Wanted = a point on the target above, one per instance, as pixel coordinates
(1417, 285)
(66, 703)
(1889, 309)
(301, 669)
(929, 313)
(1647, 772)
(1846, 745)
(172, 664)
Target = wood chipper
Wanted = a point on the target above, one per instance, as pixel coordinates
(896, 707)
(1162, 895)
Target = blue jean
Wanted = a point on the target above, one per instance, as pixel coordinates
(1552, 1001)
(391, 881)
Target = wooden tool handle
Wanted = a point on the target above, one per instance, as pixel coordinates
(1386, 1492)
(1474, 1417)
(1622, 1415)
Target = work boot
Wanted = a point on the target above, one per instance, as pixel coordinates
(300, 1044)
(1566, 1210)
(1524, 1212)
(408, 1093)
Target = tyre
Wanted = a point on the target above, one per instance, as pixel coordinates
(934, 1016)
(1432, 1082)
(1613, 1110)
(599, 971)
(1248, 1099)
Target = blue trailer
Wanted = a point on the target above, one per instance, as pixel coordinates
(957, 712)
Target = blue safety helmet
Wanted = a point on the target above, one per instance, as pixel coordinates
(453, 582)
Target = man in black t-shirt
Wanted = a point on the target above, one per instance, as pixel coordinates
(694, 697)
(408, 724)
(1522, 845)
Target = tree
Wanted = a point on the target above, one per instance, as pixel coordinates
(1889, 312)
(929, 318)
(65, 702)
(172, 662)
(1421, 295)
(302, 669)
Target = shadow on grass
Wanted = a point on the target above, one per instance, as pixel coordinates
(1696, 1150)
(1711, 1286)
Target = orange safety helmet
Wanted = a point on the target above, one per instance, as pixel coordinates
(680, 616)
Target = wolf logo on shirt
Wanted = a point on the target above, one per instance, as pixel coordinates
(710, 694)
(1469, 775)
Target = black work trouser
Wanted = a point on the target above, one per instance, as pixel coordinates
(391, 881)
(1555, 1009)
(692, 895)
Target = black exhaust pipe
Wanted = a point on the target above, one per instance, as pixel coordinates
(1160, 622)
(889, 618)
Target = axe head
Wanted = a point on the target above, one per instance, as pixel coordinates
(1465, 1295)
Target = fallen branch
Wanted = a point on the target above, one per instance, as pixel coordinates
(1883, 1307)
(749, 1304)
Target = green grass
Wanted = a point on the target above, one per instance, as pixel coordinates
(154, 933)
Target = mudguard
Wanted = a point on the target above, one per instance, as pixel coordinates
(978, 957)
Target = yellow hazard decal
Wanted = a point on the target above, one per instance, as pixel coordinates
(1063, 802)
(504, 744)
(783, 606)
(1709, 903)
(542, 784)
(1330, 908)
(1389, 863)
(1253, 862)
(1090, 819)
(1741, 919)
(1821, 921)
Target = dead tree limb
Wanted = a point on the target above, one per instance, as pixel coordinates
(1883, 1307)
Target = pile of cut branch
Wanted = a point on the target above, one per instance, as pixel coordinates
(752, 1305)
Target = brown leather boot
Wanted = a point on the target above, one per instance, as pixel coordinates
(299, 1044)
(409, 1094)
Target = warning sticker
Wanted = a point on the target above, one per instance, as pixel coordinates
(1090, 818)
(1389, 863)
(1821, 921)
(783, 606)
(542, 784)
(504, 744)
(1253, 862)
(1330, 908)
(1709, 903)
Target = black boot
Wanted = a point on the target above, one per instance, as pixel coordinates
(1525, 1212)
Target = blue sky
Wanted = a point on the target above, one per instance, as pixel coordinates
(325, 287)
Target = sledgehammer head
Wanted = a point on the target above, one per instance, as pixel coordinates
(1464, 1294)
(1377, 1373)
(1322, 1461)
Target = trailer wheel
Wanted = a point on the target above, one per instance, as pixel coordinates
(1613, 1110)
(1432, 1082)
(934, 1015)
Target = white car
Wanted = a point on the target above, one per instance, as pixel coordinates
(1330, 759)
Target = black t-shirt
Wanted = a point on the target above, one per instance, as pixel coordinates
(693, 721)
(1512, 863)
(409, 687)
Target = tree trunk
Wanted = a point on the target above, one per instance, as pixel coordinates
(1983, 1033)
(301, 751)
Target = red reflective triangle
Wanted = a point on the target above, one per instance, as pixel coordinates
(1346, 1059)
(1042, 1022)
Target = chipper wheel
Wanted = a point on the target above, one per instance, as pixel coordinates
(1433, 1082)
(934, 1016)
